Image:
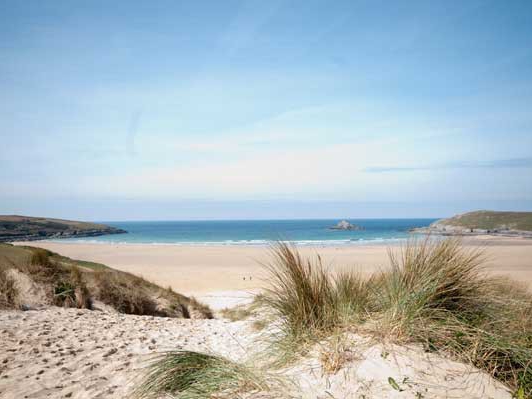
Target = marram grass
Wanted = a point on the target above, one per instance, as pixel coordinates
(435, 293)
(306, 299)
(194, 375)
(428, 280)
(8, 290)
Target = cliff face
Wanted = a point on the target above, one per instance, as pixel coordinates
(26, 228)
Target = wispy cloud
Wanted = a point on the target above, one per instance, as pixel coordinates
(495, 164)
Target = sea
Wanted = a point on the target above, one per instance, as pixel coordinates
(259, 232)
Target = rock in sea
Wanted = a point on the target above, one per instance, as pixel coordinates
(345, 225)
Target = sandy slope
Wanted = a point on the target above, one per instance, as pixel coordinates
(416, 373)
(60, 353)
(194, 270)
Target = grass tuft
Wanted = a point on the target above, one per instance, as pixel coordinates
(40, 257)
(301, 293)
(438, 295)
(236, 313)
(64, 294)
(309, 303)
(124, 293)
(429, 280)
(71, 291)
(353, 296)
(82, 295)
(8, 290)
(41, 267)
(199, 310)
(194, 375)
(435, 293)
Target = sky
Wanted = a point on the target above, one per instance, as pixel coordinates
(131, 110)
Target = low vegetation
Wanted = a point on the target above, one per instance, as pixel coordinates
(491, 220)
(237, 313)
(72, 283)
(125, 293)
(311, 304)
(194, 375)
(8, 290)
(434, 294)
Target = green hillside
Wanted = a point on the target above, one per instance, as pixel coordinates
(16, 228)
(491, 220)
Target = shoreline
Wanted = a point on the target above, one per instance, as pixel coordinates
(223, 244)
(469, 239)
(207, 269)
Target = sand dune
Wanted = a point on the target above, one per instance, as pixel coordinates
(59, 353)
(76, 353)
(71, 353)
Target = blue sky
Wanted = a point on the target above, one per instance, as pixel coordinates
(254, 109)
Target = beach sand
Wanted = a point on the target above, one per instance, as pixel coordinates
(83, 354)
(204, 271)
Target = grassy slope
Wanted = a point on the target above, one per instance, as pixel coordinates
(39, 220)
(13, 226)
(490, 220)
(125, 292)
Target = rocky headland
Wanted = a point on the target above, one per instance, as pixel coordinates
(26, 228)
(504, 224)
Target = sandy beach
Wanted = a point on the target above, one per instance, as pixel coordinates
(203, 270)
(78, 353)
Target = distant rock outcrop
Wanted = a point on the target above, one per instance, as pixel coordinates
(345, 225)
